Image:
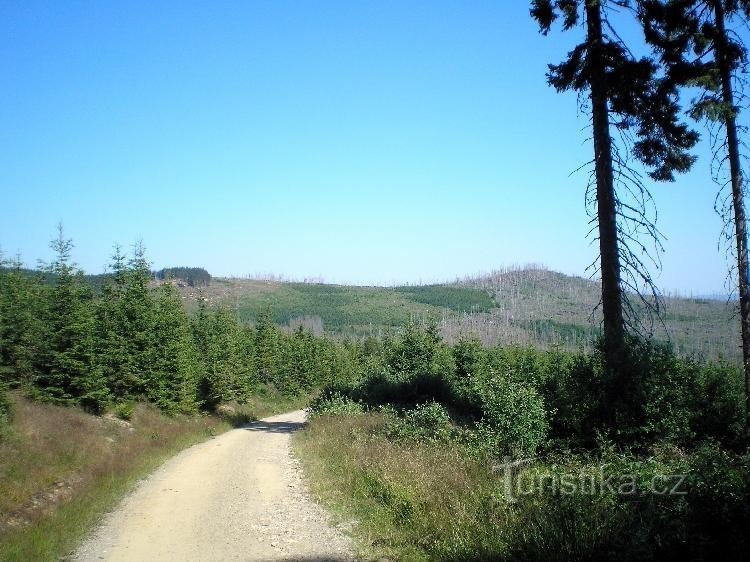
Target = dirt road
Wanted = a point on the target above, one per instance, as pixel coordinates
(236, 497)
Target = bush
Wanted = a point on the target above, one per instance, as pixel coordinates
(514, 421)
(333, 402)
(124, 410)
(676, 399)
(426, 422)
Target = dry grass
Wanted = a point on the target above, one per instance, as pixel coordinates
(60, 468)
(413, 501)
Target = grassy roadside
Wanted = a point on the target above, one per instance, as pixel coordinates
(430, 500)
(410, 501)
(62, 469)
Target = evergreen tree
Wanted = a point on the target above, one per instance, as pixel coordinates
(112, 346)
(225, 367)
(175, 364)
(19, 297)
(266, 348)
(638, 100)
(702, 51)
(69, 373)
(138, 310)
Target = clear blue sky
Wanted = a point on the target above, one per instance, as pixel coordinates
(366, 142)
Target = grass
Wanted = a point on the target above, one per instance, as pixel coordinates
(412, 501)
(62, 469)
(417, 500)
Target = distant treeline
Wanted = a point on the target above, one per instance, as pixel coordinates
(63, 342)
(193, 276)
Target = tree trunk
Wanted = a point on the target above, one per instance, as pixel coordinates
(614, 329)
(738, 203)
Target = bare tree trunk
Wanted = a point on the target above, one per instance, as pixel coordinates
(738, 203)
(609, 255)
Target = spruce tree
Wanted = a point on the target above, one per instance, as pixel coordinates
(175, 364)
(112, 346)
(637, 100)
(18, 303)
(225, 366)
(69, 372)
(266, 348)
(138, 310)
(702, 51)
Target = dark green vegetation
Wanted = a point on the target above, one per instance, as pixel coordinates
(348, 310)
(193, 276)
(63, 343)
(408, 448)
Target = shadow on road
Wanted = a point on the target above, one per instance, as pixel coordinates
(274, 427)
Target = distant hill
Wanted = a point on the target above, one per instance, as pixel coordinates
(524, 306)
(527, 306)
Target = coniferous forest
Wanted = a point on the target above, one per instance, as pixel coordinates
(67, 342)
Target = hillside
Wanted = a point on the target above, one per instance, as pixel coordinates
(514, 306)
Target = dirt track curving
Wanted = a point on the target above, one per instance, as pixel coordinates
(239, 496)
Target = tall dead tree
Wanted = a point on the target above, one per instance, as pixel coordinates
(634, 99)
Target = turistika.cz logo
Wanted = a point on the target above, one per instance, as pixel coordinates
(589, 483)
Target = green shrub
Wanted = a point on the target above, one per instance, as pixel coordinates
(124, 410)
(514, 420)
(718, 402)
(676, 399)
(333, 402)
(427, 422)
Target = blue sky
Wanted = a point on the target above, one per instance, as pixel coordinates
(365, 142)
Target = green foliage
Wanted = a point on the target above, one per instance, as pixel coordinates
(65, 343)
(175, 368)
(459, 299)
(66, 368)
(124, 410)
(333, 403)
(359, 310)
(427, 422)
(676, 399)
(514, 421)
(266, 348)
(19, 324)
(193, 276)
(421, 502)
(5, 410)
